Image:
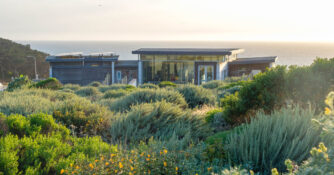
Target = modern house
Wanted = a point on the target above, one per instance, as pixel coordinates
(179, 65)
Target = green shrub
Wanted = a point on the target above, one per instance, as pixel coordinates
(166, 84)
(32, 125)
(267, 141)
(149, 86)
(3, 125)
(147, 96)
(95, 84)
(50, 83)
(43, 154)
(210, 115)
(88, 92)
(196, 96)
(115, 93)
(9, 146)
(320, 162)
(116, 87)
(29, 101)
(73, 87)
(160, 120)
(82, 116)
(213, 84)
(20, 82)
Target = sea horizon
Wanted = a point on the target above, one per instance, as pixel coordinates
(288, 52)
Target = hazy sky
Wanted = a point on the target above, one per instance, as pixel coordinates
(283, 20)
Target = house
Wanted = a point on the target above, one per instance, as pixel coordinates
(195, 65)
(179, 65)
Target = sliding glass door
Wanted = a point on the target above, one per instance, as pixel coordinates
(205, 73)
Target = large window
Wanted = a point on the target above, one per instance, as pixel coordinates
(178, 72)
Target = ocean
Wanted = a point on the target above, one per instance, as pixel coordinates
(289, 53)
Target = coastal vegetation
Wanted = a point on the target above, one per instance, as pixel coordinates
(277, 122)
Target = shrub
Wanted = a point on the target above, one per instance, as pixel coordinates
(20, 82)
(50, 83)
(3, 125)
(160, 120)
(166, 84)
(73, 87)
(82, 116)
(210, 114)
(213, 84)
(147, 96)
(88, 92)
(47, 154)
(29, 101)
(95, 84)
(149, 86)
(196, 96)
(32, 125)
(267, 141)
(115, 93)
(116, 87)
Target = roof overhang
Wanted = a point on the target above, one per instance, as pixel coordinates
(255, 60)
(188, 51)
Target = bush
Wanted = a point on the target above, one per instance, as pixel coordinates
(32, 125)
(50, 83)
(47, 154)
(82, 116)
(95, 84)
(73, 87)
(159, 120)
(20, 82)
(116, 87)
(210, 114)
(29, 101)
(267, 141)
(213, 84)
(196, 96)
(149, 86)
(115, 93)
(166, 84)
(147, 96)
(88, 92)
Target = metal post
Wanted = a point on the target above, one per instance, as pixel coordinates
(36, 75)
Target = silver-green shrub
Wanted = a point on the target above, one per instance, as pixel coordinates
(160, 120)
(268, 140)
(197, 96)
(29, 101)
(147, 96)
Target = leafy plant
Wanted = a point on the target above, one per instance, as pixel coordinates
(213, 84)
(115, 93)
(160, 120)
(268, 140)
(149, 86)
(147, 96)
(50, 83)
(196, 96)
(95, 84)
(20, 82)
(166, 84)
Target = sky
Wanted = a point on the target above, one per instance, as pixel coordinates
(238, 20)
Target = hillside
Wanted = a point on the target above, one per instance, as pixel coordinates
(14, 61)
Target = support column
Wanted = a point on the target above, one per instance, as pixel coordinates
(140, 73)
(50, 71)
(218, 71)
(112, 72)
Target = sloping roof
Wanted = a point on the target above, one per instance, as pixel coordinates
(255, 60)
(189, 51)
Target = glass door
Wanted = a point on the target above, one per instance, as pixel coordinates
(205, 73)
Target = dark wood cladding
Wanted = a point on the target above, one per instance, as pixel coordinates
(235, 70)
(197, 64)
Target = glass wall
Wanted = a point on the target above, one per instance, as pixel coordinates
(178, 72)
